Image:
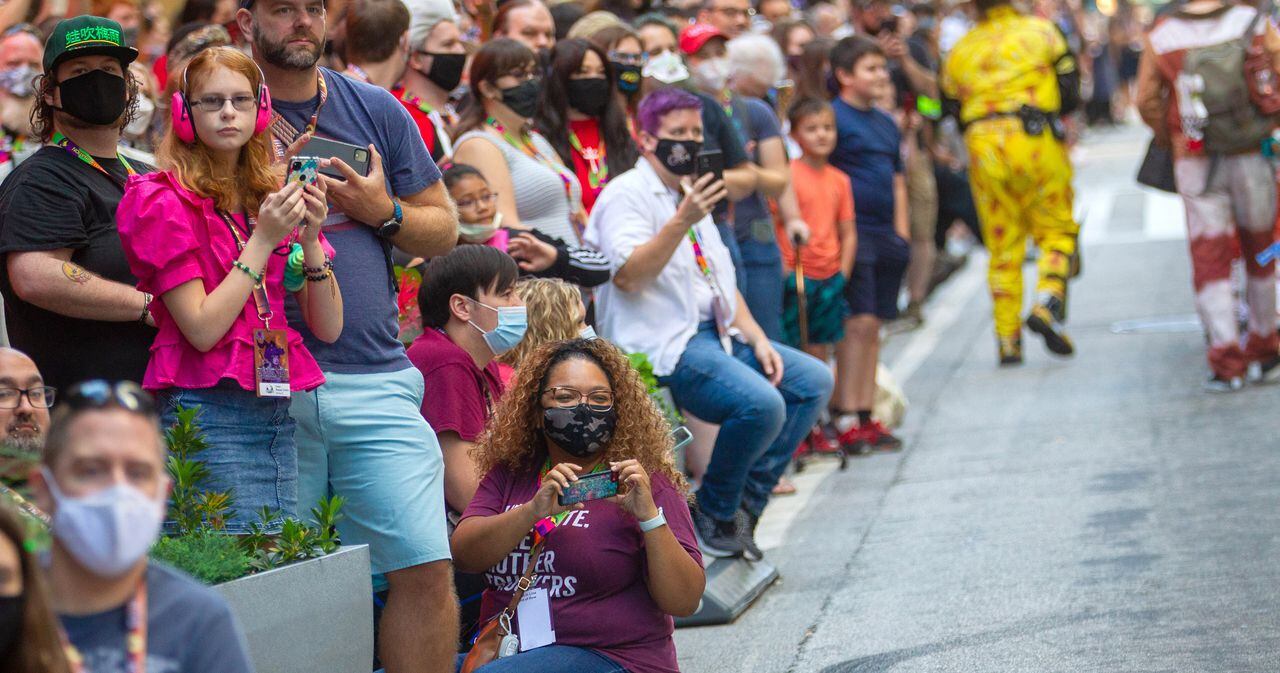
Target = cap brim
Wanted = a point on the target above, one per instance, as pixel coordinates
(126, 55)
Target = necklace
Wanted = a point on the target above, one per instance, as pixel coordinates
(597, 170)
(525, 144)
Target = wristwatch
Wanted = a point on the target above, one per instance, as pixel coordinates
(654, 523)
(392, 226)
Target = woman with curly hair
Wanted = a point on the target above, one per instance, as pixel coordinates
(613, 571)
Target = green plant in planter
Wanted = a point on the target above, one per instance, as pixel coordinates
(199, 544)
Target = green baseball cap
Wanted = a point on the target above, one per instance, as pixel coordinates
(86, 35)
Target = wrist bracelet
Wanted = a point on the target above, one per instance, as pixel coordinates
(257, 277)
(147, 298)
(328, 264)
(319, 277)
(654, 523)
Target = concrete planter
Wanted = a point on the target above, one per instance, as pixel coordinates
(310, 617)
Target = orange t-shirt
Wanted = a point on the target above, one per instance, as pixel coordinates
(826, 199)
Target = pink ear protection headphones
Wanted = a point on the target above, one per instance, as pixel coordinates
(180, 110)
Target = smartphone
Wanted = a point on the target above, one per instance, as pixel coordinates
(592, 486)
(303, 169)
(353, 155)
(711, 161)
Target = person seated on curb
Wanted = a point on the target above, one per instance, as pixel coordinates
(674, 297)
(102, 479)
(470, 315)
(611, 572)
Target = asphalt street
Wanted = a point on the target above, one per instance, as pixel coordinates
(1094, 514)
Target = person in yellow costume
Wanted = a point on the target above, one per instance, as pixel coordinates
(1007, 82)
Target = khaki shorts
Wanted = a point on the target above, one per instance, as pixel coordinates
(922, 197)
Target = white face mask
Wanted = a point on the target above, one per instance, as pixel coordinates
(666, 67)
(477, 232)
(108, 531)
(138, 127)
(712, 74)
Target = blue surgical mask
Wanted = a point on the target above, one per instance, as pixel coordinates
(513, 321)
(588, 333)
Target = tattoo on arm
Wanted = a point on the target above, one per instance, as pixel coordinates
(75, 273)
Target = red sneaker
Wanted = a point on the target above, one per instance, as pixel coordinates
(819, 442)
(881, 439)
(854, 441)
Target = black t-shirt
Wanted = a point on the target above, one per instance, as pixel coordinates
(51, 201)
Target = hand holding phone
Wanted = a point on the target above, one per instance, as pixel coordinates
(711, 161)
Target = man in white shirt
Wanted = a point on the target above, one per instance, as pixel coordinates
(674, 298)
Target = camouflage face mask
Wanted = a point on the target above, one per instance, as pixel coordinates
(581, 430)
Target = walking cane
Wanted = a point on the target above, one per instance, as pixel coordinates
(801, 303)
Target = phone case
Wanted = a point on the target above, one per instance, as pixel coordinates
(590, 487)
(303, 169)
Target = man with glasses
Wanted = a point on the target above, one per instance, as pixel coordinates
(361, 435)
(24, 403)
(102, 479)
(730, 17)
(70, 301)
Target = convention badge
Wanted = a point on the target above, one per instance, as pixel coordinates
(271, 362)
(533, 616)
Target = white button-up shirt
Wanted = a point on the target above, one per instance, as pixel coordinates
(659, 318)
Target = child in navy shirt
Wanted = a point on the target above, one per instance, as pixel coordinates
(868, 150)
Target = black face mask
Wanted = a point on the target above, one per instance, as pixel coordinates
(523, 97)
(10, 621)
(589, 96)
(628, 76)
(679, 156)
(96, 97)
(446, 69)
(581, 431)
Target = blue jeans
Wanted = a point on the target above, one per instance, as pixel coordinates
(760, 424)
(551, 659)
(251, 451)
(762, 263)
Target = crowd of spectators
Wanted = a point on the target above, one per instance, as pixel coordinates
(737, 199)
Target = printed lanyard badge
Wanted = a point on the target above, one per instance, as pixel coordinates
(719, 302)
(270, 346)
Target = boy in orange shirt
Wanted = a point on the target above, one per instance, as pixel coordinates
(826, 205)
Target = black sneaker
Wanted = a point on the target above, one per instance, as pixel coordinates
(1043, 321)
(746, 524)
(715, 538)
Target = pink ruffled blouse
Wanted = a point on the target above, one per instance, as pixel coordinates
(172, 236)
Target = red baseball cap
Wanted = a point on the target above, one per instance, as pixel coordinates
(694, 36)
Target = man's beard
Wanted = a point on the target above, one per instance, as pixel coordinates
(281, 56)
(70, 121)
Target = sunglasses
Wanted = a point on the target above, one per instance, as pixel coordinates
(103, 394)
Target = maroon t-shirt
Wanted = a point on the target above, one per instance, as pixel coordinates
(458, 395)
(593, 566)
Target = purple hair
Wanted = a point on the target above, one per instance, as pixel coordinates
(658, 104)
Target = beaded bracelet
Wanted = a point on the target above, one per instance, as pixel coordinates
(257, 277)
(310, 270)
(320, 277)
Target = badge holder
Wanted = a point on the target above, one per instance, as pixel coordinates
(270, 351)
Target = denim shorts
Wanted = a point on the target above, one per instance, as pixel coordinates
(250, 450)
(362, 436)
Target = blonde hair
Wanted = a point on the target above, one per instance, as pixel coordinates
(555, 310)
(255, 176)
(514, 438)
(592, 23)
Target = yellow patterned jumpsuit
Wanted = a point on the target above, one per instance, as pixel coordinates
(1021, 183)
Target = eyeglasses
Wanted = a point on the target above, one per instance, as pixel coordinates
(626, 58)
(101, 394)
(242, 103)
(565, 398)
(486, 200)
(40, 397)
